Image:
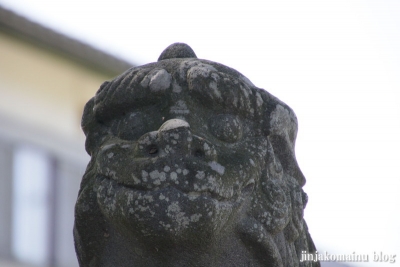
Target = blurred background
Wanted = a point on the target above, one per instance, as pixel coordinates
(336, 63)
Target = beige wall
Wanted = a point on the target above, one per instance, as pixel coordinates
(44, 89)
(42, 95)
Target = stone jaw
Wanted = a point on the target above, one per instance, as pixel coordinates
(192, 165)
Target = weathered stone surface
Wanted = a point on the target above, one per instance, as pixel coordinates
(191, 165)
(177, 50)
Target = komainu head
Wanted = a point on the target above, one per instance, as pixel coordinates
(191, 165)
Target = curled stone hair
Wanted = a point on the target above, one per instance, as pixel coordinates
(191, 165)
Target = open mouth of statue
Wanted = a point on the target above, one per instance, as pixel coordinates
(192, 195)
(192, 177)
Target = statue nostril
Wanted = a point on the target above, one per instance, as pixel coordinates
(153, 150)
(198, 153)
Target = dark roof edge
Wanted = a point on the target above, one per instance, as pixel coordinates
(69, 47)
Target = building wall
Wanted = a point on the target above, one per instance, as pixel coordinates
(42, 95)
(44, 89)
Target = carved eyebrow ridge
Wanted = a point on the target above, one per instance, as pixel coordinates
(125, 94)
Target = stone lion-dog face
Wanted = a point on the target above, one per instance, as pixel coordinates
(191, 165)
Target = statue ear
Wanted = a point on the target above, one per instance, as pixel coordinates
(87, 117)
(88, 125)
(94, 130)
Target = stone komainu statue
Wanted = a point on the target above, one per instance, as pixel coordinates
(191, 165)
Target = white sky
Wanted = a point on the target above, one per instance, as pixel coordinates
(336, 63)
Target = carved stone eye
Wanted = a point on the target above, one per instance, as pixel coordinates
(130, 126)
(226, 127)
